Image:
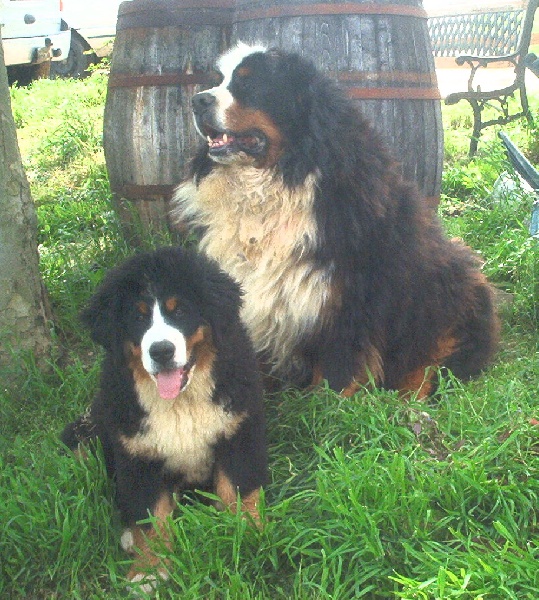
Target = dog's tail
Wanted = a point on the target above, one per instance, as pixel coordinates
(81, 431)
(479, 337)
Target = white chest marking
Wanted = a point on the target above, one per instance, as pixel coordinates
(182, 432)
(261, 232)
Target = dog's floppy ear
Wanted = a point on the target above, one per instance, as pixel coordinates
(104, 313)
(100, 316)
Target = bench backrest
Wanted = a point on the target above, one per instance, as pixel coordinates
(482, 34)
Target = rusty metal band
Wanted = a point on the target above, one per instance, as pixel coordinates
(394, 77)
(162, 80)
(171, 79)
(144, 192)
(395, 93)
(325, 8)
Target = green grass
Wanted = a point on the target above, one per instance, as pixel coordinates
(370, 497)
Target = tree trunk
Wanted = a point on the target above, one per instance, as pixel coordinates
(23, 314)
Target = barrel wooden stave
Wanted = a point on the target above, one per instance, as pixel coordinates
(149, 134)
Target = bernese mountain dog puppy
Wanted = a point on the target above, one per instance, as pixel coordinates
(180, 400)
(346, 272)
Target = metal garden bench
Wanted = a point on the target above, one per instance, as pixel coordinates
(480, 40)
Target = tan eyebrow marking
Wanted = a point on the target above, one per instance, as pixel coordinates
(243, 71)
(171, 303)
(143, 308)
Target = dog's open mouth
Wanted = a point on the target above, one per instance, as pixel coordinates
(171, 382)
(227, 142)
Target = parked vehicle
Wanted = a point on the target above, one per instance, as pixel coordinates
(33, 34)
(93, 26)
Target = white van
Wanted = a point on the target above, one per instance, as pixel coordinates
(93, 26)
(33, 32)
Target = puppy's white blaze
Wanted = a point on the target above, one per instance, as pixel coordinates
(161, 331)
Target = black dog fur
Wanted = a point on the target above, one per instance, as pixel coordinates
(210, 434)
(346, 271)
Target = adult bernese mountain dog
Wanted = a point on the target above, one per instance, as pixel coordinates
(180, 399)
(346, 272)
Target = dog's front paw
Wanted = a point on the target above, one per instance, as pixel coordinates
(127, 541)
(145, 583)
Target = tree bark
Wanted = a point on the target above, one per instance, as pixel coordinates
(23, 308)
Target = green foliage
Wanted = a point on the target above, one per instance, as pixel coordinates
(370, 497)
(493, 221)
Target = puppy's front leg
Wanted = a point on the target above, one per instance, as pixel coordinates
(140, 492)
(242, 467)
(147, 565)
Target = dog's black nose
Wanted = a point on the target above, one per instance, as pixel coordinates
(202, 101)
(162, 352)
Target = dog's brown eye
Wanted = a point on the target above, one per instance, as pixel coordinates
(143, 311)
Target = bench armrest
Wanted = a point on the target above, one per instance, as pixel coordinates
(484, 61)
(480, 95)
(477, 62)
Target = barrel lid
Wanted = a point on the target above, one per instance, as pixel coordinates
(173, 13)
(245, 11)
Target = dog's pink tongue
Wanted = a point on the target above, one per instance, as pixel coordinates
(169, 383)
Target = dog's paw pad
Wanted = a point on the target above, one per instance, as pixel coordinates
(146, 583)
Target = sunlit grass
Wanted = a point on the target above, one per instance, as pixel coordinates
(370, 497)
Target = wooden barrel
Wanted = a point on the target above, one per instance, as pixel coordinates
(164, 52)
(380, 51)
